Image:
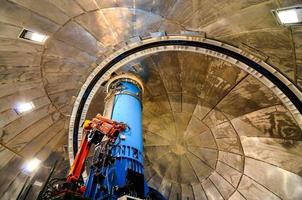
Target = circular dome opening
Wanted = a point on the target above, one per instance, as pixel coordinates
(202, 117)
(197, 109)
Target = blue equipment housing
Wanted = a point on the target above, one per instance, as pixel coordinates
(126, 173)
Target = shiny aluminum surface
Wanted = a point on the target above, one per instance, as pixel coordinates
(227, 129)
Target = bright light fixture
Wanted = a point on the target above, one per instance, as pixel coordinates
(38, 37)
(24, 107)
(33, 36)
(31, 165)
(289, 16)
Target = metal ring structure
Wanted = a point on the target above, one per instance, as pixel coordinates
(137, 96)
(283, 88)
(128, 78)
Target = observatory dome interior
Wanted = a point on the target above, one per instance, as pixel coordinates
(220, 121)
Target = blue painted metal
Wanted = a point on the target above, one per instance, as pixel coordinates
(127, 149)
(90, 187)
(127, 108)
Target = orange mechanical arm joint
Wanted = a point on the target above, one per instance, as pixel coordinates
(98, 125)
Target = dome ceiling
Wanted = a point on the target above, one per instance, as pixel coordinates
(203, 117)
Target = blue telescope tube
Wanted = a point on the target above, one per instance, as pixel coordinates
(123, 104)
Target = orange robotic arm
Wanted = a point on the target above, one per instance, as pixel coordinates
(97, 128)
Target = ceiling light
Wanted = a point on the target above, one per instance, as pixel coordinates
(24, 107)
(33, 36)
(289, 16)
(31, 165)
